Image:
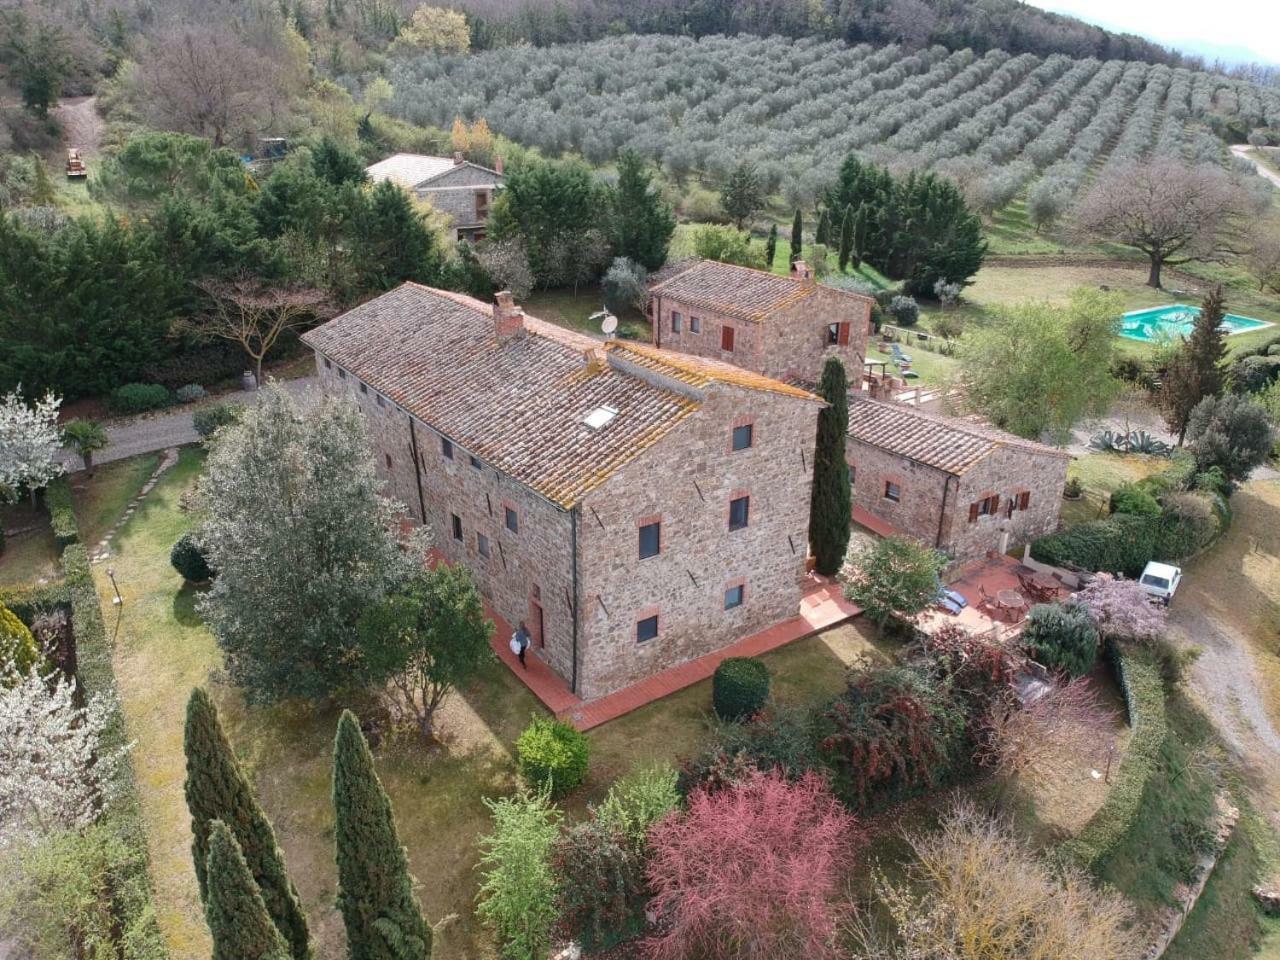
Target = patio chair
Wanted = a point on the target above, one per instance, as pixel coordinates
(899, 356)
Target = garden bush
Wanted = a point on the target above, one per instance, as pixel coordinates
(189, 559)
(1134, 500)
(207, 420)
(1062, 637)
(62, 514)
(739, 688)
(637, 801)
(776, 738)
(552, 755)
(1189, 523)
(1254, 374)
(905, 311)
(190, 393)
(1143, 689)
(600, 886)
(203, 363)
(1122, 543)
(17, 645)
(138, 398)
(518, 892)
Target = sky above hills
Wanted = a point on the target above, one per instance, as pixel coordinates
(1232, 30)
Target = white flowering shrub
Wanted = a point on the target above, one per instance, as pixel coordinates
(29, 443)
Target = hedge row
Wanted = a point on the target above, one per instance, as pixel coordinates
(28, 600)
(1143, 690)
(62, 512)
(135, 913)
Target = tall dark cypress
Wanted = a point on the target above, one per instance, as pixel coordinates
(822, 234)
(797, 237)
(1195, 371)
(771, 246)
(217, 789)
(846, 238)
(375, 892)
(859, 235)
(238, 920)
(829, 510)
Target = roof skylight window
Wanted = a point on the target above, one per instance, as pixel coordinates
(600, 417)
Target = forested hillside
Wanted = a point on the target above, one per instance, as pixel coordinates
(996, 122)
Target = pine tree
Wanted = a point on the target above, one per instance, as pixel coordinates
(375, 892)
(43, 192)
(641, 222)
(743, 193)
(846, 238)
(771, 246)
(797, 237)
(217, 789)
(1196, 369)
(829, 510)
(823, 233)
(238, 920)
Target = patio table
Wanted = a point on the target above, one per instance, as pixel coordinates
(1010, 600)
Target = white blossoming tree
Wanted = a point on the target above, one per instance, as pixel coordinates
(54, 773)
(29, 443)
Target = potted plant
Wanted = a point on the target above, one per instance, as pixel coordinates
(1073, 490)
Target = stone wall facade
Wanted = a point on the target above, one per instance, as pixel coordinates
(792, 343)
(685, 482)
(933, 506)
(464, 193)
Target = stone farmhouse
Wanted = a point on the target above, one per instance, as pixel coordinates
(782, 327)
(635, 507)
(962, 487)
(458, 187)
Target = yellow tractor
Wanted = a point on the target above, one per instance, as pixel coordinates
(75, 165)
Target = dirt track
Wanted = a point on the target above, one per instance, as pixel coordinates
(81, 125)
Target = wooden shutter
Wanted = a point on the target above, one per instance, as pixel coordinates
(842, 335)
(726, 339)
(1024, 500)
(973, 512)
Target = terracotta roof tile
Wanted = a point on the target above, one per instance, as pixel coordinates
(950, 444)
(518, 405)
(735, 291)
(701, 371)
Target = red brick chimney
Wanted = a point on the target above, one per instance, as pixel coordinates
(800, 271)
(497, 165)
(457, 157)
(508, 319)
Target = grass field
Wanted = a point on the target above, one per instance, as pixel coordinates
(1102, 474)
(574, 310)
(31, 555)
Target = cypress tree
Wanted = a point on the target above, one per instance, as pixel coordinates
(238, 920)
(1196, 369)
(797, 237)
(823, 233)
(846, 238)
(771, 246)
(859, 235)
(829, 510)
(375, 893)
(217, 789)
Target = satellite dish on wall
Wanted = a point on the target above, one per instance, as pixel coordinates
(609, 323)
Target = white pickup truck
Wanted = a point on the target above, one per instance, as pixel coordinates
(1161, 580)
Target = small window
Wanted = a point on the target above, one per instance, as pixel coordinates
(695, 324)
(482, 545)
(726, 339)
(388, 459)
(739, 512)
(446, 448)
(382, 401)
(742, 436)
(733, 597)
(364, 388)
(646, 629)
(328, 364)
(600, 417)
(650, 540)
(892, 491)
(677, 322)
(456, 521)
(833, 334)
(342, 374)
(513, 520)
(475, 461)
(986, 507)
(853, 474)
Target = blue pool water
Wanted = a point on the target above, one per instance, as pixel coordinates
(1176, 320)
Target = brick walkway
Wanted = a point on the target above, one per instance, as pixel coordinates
(873, 523)
(822, 606)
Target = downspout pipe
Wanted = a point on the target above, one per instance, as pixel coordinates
(417, 468)
(942, 514)
(577, 607)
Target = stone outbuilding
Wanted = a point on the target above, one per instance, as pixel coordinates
(457, 187)
(636, 508)
(963, 487)
(780, 326)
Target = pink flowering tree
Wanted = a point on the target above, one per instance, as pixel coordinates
(750, 872)
(1121, 609)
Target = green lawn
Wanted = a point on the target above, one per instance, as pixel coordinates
(32, 555)
(934, 369)
(1102, 474)
(574, 310)
(101, 500)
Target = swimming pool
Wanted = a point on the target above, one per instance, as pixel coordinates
(1176, 320)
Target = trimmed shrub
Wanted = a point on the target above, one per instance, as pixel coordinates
(138, 398)
(637, 801)
(600, 886)
(28, 601)
(1123, 543)
(552, 755)
(1188, 525)
(905, 311)
(774, 739)
(190, 393)
(1134, 500)
(17, 645)
(1143, 689)
(62, 514)
(739, 688)
(1062, 637)
(189, 560)
(207, 420)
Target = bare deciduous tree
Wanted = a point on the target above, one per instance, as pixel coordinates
(255, 315)
(1046, 733)
(1171, 212)
(1263, 259)
(204, 80)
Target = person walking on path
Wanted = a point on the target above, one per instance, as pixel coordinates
(520, 643)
